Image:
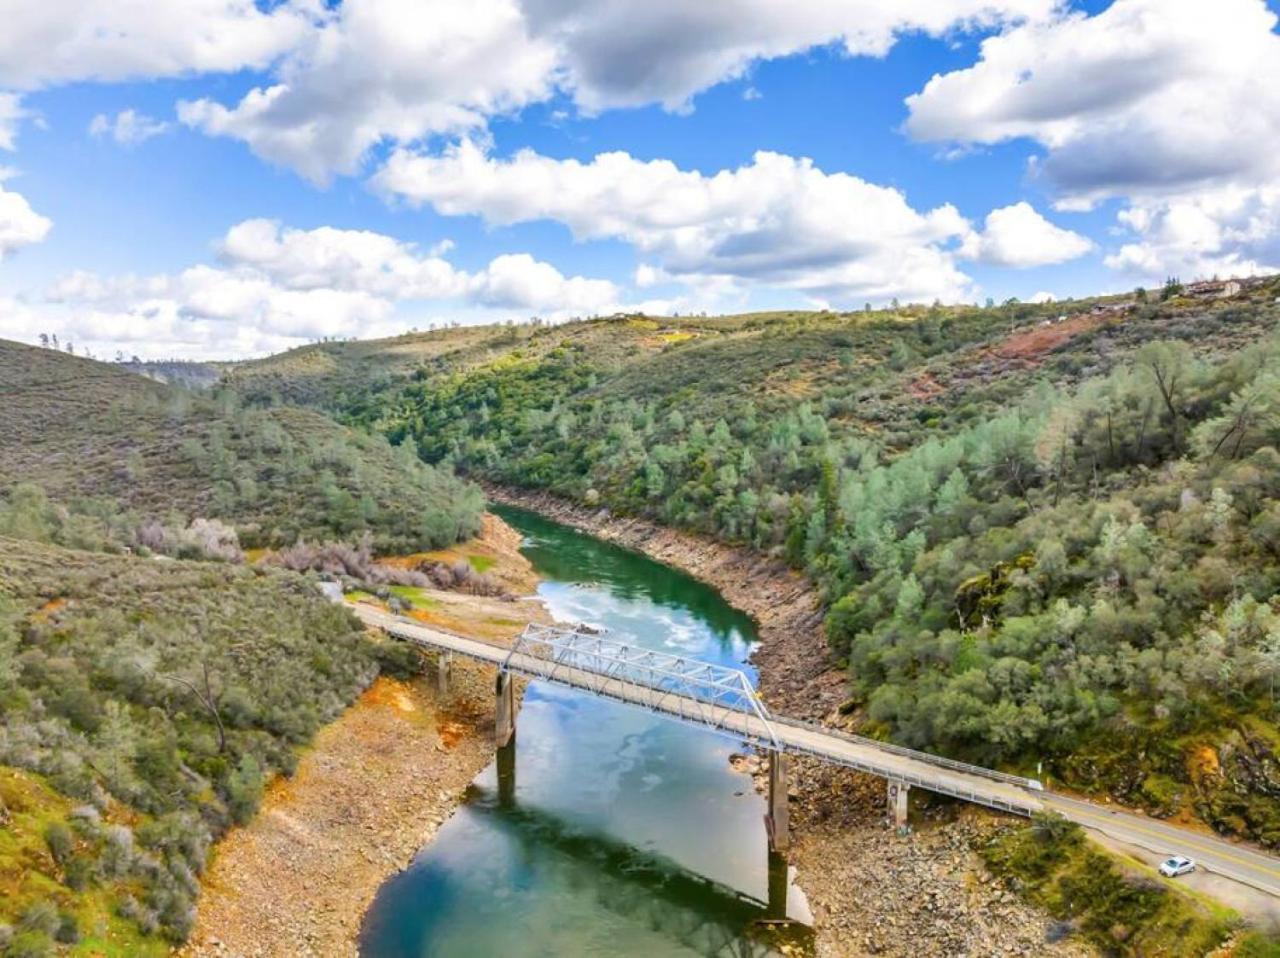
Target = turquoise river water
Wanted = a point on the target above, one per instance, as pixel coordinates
(604, 830)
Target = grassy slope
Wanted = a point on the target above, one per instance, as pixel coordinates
(80, 428)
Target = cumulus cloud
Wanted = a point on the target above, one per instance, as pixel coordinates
(778, 220)
(401, 70)
(127, 127)
(65, 41)
(351, 260)
(518, 280)
(1145, 97)
(1172, 105)
(277, 287)
(622, 53)
(386, 69)
(20, 225)
(1226, 232)
(1019, 237)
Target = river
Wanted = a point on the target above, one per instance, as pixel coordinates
(603, 830)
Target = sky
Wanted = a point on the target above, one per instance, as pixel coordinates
(225, 179)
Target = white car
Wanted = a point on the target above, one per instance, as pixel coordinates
(1177, 865)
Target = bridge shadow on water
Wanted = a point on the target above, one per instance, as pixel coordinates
(675, 910)
(699, 913)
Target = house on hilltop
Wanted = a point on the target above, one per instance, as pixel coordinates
(1212, 288)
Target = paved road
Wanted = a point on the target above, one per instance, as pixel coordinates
(1237, 862)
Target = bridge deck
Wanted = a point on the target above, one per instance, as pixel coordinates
(936, 775)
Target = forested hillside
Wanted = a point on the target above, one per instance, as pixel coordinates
(144, 705)
(126, 459)
(1045, 533)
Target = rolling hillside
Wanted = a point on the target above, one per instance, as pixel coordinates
(1044, 533)
(121, 451)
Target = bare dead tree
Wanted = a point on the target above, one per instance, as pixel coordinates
(207, 697)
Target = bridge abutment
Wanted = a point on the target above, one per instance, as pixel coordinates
(778, 819)
(504, 728)
(899, 797)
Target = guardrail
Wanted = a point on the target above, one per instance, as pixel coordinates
(903, 751)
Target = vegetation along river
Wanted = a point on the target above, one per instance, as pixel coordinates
(604, 830)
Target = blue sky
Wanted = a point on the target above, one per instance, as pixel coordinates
(215, 178)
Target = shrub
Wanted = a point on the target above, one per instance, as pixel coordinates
(60, 841)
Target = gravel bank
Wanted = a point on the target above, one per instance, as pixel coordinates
(373, 789)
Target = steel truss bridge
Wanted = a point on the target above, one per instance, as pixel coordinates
(713, 697)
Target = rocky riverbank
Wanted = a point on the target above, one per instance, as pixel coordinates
(372, 790)
(871, 892)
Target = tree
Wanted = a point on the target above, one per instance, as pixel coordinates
(1251, 420)
(1171, 368)
(208, 697)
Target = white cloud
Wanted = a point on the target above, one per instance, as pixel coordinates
(352, 260)
(1147, 97)
(128, 127)
(1226, 232)
(623, 53)
(646, 276)
(386, 69)
(402, 70)
(519, 281)
(278, 287)
(12, 114)
(63, 41)
(1172, 105)
(20, 225)
(1019, 237)
(1042, 297)
(779, 220)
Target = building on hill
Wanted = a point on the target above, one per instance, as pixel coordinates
(1213, 288)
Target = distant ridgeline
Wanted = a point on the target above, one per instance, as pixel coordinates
(177, 372)
(144, 703)
(1043, 531)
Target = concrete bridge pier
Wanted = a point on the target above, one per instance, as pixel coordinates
(779, 884)
(777, 821)
(444, 671)
(506, 762)
(899, 795)
(505, 725)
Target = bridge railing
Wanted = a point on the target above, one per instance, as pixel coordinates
(937, 760)
(692, 689)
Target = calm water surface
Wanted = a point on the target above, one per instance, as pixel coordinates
(604, 830)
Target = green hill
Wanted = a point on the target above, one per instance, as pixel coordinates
(1045, 533)
(121, 451)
